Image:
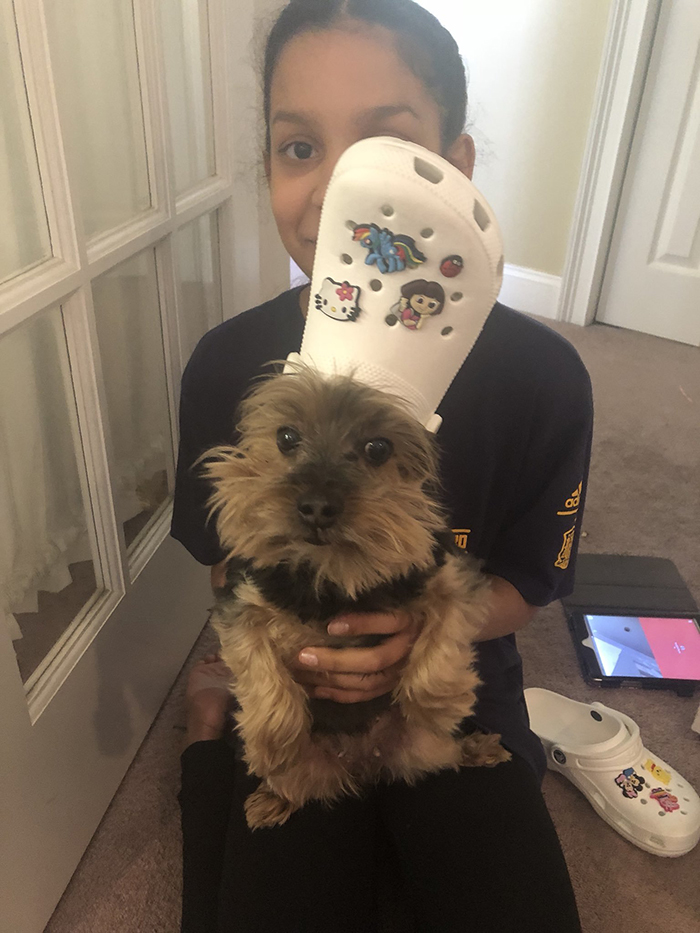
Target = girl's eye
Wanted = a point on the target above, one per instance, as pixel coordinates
(298, 152)
(288, 439)
(378, 450)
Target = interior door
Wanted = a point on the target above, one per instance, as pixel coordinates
(652, 282)
(117, 253)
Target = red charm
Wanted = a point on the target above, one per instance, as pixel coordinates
(452, 266)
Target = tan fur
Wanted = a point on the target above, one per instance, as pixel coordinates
(385, 530)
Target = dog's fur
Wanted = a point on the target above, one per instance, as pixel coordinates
(386, 549)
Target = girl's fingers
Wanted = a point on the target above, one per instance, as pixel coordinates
(356, 675)
(362, 683)
(351, 688)
(370, 623)
(357, 660)
(349, 696)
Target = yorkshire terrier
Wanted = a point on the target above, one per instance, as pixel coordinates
(327, 505)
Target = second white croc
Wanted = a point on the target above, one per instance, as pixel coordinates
(600, 751)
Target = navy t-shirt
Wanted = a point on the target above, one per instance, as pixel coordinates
(515, 448)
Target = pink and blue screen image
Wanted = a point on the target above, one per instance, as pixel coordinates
(630, 646)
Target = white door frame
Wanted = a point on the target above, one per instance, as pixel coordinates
(71, 731)
(626, 57)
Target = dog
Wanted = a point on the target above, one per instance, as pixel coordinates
(327, 505)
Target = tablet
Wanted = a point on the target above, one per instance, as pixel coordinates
(648, 651)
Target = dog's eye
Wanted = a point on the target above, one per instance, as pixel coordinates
(288, 439)
(378, 450)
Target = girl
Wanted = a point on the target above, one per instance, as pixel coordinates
(474, 849)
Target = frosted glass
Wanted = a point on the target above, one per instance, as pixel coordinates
(127, 313)
(93, 48)
(47, 568)
(185, 26)
(24, 232)
(199, 280)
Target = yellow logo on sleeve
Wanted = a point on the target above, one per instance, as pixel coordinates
(571, 507)
(565, 554)
(573, 503)
(461, 537)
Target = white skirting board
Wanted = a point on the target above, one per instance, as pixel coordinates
(531, 291)
(523, 289)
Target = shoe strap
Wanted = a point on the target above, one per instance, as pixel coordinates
(625, 756)
(602, 756)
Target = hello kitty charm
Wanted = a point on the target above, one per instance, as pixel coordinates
(338, 300)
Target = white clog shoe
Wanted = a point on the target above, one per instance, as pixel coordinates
(409, 263)
(601, 752)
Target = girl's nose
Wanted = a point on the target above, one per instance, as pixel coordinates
(319, 194)
(324, 176)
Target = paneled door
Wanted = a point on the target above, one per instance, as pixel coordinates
(117, 253)
(652, 283)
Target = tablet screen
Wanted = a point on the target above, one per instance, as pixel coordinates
(632, 646)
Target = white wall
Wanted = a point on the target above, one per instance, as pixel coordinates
(533, 67)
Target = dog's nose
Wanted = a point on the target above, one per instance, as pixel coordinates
(319, 509)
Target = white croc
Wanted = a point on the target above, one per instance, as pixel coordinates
(601, 752)
(409, 263)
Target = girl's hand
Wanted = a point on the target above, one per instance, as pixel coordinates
(354, 675)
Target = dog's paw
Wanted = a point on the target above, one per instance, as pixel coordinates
(480, 750)
(264, 808)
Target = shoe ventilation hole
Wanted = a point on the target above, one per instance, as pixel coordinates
(480, 216)
(596, 715)
(500, 266)
(430, 172)
(678, 784)
(427, 233)
(644, 802)
(391, 320)
(686, 799)
(457, 296)
(376, 285)
(658, 840)
(346, 259)
(684, 812)
(662, 813)
(388, 210)
(446, 331)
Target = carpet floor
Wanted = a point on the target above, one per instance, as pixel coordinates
(643, 498)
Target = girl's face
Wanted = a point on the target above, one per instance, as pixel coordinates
(331, 89)
(423, 304)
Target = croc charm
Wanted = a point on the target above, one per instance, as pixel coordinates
(409, 264)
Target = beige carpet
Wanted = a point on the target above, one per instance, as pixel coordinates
(644, 498)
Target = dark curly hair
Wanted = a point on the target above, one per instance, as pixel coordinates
(425, 45)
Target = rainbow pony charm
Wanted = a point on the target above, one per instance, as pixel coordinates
(390, 253)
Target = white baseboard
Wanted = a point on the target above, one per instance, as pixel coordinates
(531, 291)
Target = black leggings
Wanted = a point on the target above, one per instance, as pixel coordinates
(473, 850)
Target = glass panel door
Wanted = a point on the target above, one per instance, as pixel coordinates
(185, 27)
(24, 232)
(103, 116)
(49, 571)
(130, 336)
(199, 280)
